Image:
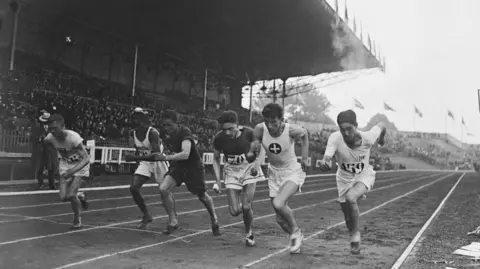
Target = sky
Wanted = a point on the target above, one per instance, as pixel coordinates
(432, 53)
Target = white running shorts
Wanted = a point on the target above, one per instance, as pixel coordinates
(279, 176)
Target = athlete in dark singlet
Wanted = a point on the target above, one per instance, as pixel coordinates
(239, 175)
(186, 166)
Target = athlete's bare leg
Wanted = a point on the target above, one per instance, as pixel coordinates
(248, 195)
(69, 192)
(233, 198)
(168, 200)
(135, 186)
(281, 208)
(286, 215)
(351, 198)
(282, 221)
(208, 203)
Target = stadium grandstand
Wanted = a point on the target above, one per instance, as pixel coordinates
(69, 60)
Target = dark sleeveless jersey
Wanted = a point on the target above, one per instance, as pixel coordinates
(174, 144)
(234, 149)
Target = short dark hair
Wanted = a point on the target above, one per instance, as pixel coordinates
(273, 110)
(56, 118)
(347, 116)
(228, 116)
(170, 114)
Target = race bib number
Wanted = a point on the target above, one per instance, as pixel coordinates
(235, 159)
(143, 153)
(354, 168)
(75, 158)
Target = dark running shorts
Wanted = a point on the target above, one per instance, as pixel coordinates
(192, 176)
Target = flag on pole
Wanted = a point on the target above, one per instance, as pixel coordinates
(463, 122)
(346, 12)
(470, 134)
(354, 25)
(418, 112)
(450, 114)
(358, 104)
(387, 107)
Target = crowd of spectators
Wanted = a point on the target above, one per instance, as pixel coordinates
(102, 113)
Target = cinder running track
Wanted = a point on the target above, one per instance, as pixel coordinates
(35, 229)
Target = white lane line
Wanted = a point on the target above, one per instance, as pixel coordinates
(127, 197)
(417, 237)
(116, 187)
(181, 213)
(224, 226)
(27, 218)
(343, 222)
(119, 187)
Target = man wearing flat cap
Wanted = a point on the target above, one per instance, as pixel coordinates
(44, 156)
(355, 176)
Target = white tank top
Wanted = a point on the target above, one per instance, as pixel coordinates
(144, 147)
(280, 150)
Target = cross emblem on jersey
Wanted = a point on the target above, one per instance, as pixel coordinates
(275, 148)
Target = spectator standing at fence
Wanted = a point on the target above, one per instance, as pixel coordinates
(355, 176)
(146, 140)
(44, 155)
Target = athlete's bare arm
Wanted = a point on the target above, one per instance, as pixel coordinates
(256, 143)
(181, 156)
(216, 163)
(155, 141)
(326, 163)
(298, 132)
(82, 152)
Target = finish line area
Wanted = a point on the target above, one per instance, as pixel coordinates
(35, 229)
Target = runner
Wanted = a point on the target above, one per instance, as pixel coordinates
(147, 143)
(74, 165)
(239, 175)
(355, 176)
(286, 175)
(186, 166)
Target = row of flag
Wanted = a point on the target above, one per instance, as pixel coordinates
(372, 46)
(417, 111)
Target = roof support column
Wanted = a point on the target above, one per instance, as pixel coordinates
(284, 93)
(251, 83)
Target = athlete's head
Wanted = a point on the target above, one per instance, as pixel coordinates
(56, 126)
(169, 121)
(139, 117)
(228, 122)
(347, 122)
(273, 117)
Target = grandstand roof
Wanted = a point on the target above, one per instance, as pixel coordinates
(266, 39)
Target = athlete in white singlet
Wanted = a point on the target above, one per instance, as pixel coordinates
(286, 175)
(355, 175)
(147, 143)
(74, 165)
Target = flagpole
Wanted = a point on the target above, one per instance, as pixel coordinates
(134, 79)
(205, 90)
(414, 112)
(446, 121)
